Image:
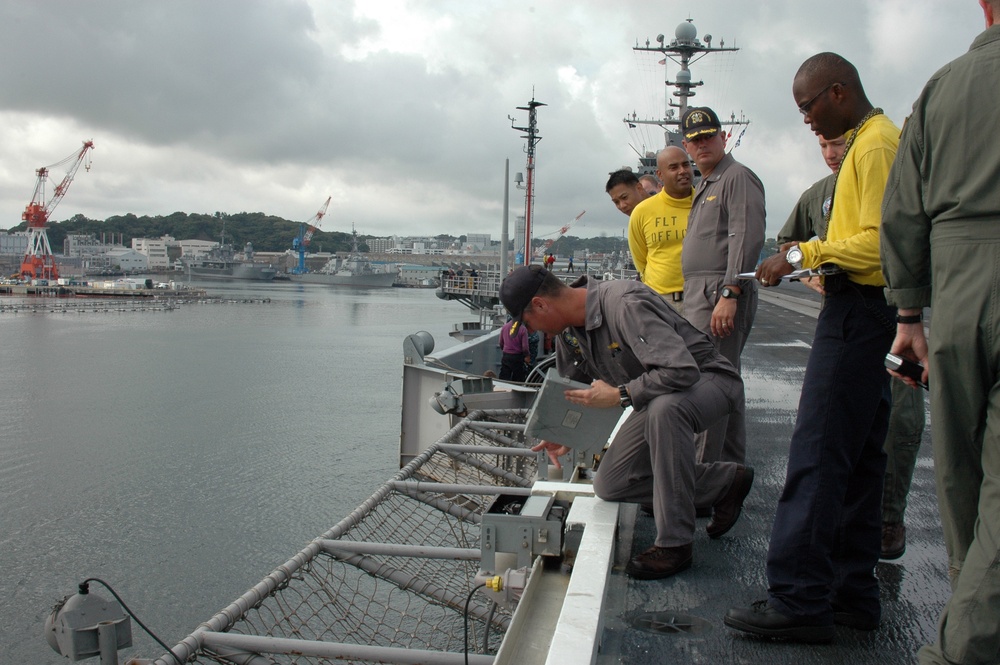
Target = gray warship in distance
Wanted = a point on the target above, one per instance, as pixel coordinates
(222, 262)
(354, 270)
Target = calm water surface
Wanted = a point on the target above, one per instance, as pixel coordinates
(182, 455)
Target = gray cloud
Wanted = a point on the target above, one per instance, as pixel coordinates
(272, 105)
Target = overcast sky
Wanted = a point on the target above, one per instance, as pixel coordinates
(398, 109)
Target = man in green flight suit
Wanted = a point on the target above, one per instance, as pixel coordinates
(941, 247)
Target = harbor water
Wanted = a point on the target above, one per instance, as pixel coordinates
(181, 455)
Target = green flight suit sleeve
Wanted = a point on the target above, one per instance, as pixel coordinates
(906, 227)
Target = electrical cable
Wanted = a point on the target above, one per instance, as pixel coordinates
(466, 619)
(489, 622)
(85, 589)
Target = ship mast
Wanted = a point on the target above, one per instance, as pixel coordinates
(532, 137)
(684, 50)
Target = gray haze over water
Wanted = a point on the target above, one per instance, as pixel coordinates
(182, 455)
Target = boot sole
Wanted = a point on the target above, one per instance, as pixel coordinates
(892, 556)
(854, 621)
(807, 634)
(652, 575)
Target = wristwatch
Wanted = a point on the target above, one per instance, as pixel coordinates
(729, 293)
(623, 397)
(794, 257)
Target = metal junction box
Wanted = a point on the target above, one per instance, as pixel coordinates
(524, 526)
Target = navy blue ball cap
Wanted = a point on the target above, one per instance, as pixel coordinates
(519, 287)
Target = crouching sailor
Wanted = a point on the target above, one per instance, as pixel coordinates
(635, 350)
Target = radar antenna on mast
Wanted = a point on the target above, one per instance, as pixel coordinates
(531, 134)
(684, 50)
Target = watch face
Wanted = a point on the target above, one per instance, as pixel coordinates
(794, 255)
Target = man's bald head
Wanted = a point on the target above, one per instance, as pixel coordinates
(828, 91)
(671, 152)
(826, 68)
(673, 168)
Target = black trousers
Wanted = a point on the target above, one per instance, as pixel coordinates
(512, 367)
(826, 536)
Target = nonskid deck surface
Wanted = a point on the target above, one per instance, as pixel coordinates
(679, 620)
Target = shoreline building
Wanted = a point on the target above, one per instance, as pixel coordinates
(156, 251)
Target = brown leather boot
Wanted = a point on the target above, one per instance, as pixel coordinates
(658, 562)
(893, 540)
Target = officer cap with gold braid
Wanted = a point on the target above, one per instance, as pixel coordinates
(699, 121)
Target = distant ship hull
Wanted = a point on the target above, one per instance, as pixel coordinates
(368, 281)
(354, 271)
(259, 273)
(222, 262)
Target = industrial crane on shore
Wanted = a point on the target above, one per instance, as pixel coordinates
(558, 234)
(306, 231)
(38, 262)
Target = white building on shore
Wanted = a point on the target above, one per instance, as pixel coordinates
(127, 259)
(155, 250)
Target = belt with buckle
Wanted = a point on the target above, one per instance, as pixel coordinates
(676, 296)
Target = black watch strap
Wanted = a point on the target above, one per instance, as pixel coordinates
(909, 318)
(623, 397)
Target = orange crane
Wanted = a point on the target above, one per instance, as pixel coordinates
(559, 234)
(38, 262)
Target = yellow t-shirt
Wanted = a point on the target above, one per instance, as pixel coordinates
(655, 231)
(852, 238)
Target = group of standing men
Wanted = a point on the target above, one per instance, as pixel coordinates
(893, 198)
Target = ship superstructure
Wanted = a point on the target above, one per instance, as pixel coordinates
(222, 262)
(684, 50)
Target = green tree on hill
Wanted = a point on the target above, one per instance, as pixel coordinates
(267, 232)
